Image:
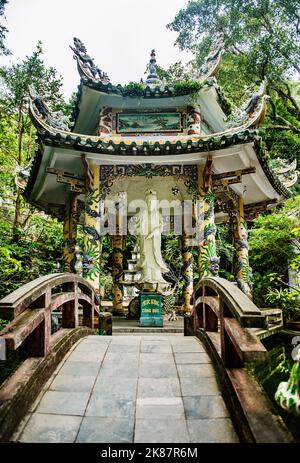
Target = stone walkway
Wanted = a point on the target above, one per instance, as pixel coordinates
(131, 389)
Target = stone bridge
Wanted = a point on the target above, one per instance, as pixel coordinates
(76, 386)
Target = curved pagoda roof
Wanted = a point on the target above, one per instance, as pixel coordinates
(233, 142)
(95, 91)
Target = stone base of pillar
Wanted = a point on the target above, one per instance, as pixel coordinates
(118, 313)
(184, 310)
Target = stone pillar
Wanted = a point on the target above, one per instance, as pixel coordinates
(117, 271)
(70, 232)
(187, 272)
(92, 238)
(242, 269)
(208, 262)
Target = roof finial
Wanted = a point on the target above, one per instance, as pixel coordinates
(152, 78)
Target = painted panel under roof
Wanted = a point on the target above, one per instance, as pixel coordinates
(92, 101)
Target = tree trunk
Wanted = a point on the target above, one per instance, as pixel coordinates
(16, 224)
(17, 217)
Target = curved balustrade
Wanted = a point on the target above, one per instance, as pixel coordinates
(29, 309)
(226, 315)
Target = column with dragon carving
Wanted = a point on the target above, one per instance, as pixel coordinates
(70, 232)
(187, 273)
(92, 238)
(208, 262)
(242, 268)
(117, 271)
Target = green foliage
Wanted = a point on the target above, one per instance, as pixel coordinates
(288, 301)
(186, 87)
(272, 248)
(260, 34)
(225, 250)
(35, 254)
(3, 29)
(172, 255)
(179, 86)
(261, 40)
(31, 71)
(175, 73)
(3, 323)
(30, 241)
(133, 89)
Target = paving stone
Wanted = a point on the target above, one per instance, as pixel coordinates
(186, 340)
(110, 407)
(188, 347)
(139, 380)
(72, 383)
(167, 337)
(163, 348)
(63, 403)
(120, 370)
(158, 387)
(161, 431)
(199, 386)
(126, 340)
(43, 428)
(205, 407)
(156, 358)
(100, 340)
(205, 370)
(159, 370)
(106, 430)
(160, 407)
(109, 386)
(115, 359)
(188, 357)
(87, 356)
(91, 347)
(124, 348)
(80, 368)
(212, 431)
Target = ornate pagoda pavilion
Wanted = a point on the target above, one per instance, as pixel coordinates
(180, 143)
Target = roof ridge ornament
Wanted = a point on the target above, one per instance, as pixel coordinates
(252, 110)
(86, 64)
(212, 62)
(56, 119)
(152, 80)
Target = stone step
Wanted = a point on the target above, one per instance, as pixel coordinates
(121, 325)
(137, 329)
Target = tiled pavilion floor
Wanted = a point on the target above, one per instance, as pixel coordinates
(155, 388)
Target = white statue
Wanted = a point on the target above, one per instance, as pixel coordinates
(149, 228)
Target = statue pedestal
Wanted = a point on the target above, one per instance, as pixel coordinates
(151, 309)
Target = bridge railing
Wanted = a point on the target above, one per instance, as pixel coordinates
(29, 310)
(226, 316)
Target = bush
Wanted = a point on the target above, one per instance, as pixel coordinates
(3, 324)
(288, 301)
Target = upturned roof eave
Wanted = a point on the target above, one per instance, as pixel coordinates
(46, 130)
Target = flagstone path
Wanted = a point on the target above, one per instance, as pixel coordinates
(124, 389)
